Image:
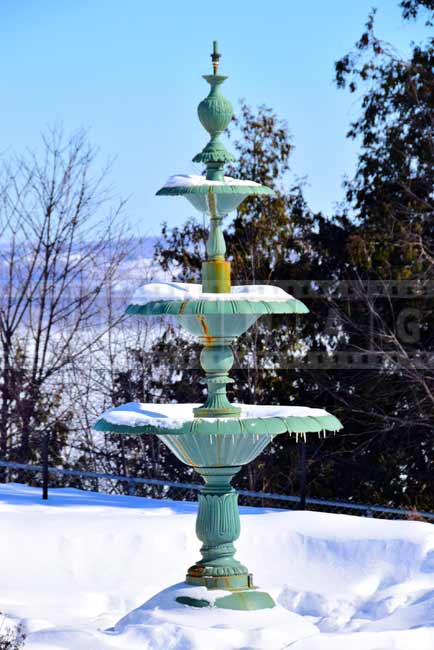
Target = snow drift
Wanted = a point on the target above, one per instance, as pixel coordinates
(84, 572)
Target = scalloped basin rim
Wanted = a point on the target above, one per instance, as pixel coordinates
(172, 307)
(173, 419)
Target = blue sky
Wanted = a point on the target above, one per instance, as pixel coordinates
(131, 71)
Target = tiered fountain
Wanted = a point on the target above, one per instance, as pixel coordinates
(216, 437)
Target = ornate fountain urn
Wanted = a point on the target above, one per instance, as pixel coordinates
(216, 438)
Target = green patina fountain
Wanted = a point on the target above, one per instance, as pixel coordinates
(216, 438)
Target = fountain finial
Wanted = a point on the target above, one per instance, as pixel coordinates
(215, 112)
(215, 57)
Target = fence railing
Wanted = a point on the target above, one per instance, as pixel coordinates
(247, 496)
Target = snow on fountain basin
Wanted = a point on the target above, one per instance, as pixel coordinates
(80, 563)
(174, 416)
(186, 181)
(183, 291)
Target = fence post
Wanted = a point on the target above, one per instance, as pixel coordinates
(132, 488)
(302, 503)
(45, 441)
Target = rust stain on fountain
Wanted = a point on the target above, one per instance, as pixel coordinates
(183, 452)
(209, 340)
(183, 306)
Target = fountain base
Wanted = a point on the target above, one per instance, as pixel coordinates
(230, 582)
(239, 599)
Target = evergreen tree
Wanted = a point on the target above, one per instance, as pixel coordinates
(389, 268)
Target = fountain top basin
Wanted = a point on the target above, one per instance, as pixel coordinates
(180, 184)
(213, 197)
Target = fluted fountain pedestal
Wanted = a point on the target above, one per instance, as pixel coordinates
(218, 526)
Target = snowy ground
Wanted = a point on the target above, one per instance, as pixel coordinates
(75, 567)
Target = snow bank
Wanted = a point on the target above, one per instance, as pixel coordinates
(84, 563)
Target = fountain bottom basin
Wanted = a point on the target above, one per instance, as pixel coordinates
(217, 448)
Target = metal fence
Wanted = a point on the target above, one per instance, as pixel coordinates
(161, 488)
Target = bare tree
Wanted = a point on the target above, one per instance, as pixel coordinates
(63, 239)
(92, 384)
